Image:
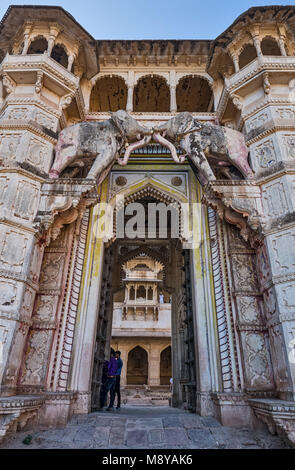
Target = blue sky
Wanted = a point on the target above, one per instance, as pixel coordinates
(152, 19)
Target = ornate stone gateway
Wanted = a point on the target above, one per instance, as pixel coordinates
(183, 116)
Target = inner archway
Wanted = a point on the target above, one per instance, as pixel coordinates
(137, 367)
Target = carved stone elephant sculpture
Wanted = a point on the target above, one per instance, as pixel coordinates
(206, 145)
(100, 141)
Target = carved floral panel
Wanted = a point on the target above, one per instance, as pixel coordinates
(244, 272)
(257, 370)
(36, 357)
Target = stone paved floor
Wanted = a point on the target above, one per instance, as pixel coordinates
(145, 428)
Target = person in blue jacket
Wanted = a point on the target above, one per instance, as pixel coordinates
(109, 385)
(118, 376)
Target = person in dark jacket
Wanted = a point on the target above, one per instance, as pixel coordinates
(118, 376)
(103, 381)
(110, 382)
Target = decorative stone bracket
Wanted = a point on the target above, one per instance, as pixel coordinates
(62, 202)
(240, 204)
(278, 415)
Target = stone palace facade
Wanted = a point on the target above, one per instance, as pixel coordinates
(232, 292)
(141, 327)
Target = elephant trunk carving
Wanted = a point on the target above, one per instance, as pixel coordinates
(206, 145)
(99, 141)
(161, 140)
(136, 145)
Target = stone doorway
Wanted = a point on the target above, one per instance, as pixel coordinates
(137, 367)
(155, 316)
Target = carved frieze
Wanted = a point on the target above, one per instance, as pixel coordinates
(16, 112)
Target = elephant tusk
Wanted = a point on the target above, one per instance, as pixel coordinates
(136, 145)
(159, 138)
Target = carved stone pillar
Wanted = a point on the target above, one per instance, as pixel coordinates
(129, 105)
(172, 84)
(250, 321)
(282, 39)
(254, 30)
(71, 60)
(26, 44)
(272, 156)
(173, 104)
(235, 59)
(154, 365)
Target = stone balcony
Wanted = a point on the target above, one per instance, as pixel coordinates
(258, 65)
(15, 65)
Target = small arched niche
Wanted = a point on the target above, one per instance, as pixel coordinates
(247, 55)
(108, 94)
(151, 94)
(194, 94)
(269, 46)
(60, 55)
(137, 367)
(38, 46)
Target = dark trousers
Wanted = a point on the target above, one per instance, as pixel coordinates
(117, 390)
(109, 386)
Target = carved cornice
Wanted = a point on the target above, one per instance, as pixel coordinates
(22, 172)
(30, 100)
(14, 124)
(17, 402)
(269, 131)
(279, 416)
